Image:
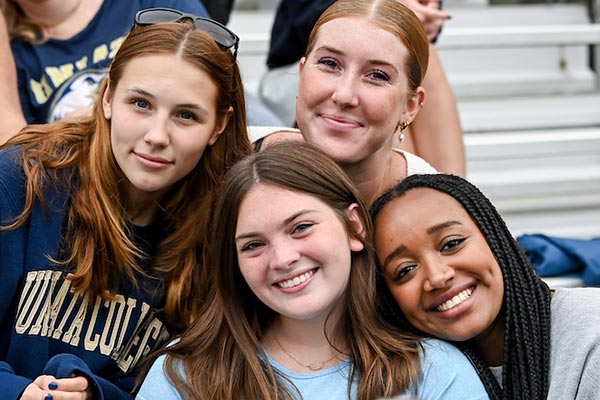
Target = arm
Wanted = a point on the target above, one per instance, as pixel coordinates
(430, 15)
(60, 369)
(11, 114)
(67, 365)
(436, 130)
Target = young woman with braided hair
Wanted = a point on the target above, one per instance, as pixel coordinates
(451, 269)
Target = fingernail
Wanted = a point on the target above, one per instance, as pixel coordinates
(48, 397)
(53, 386)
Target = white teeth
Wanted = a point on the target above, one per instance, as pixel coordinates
(456, 300)
(290, 283)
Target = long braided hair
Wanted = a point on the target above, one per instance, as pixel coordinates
(526, 304)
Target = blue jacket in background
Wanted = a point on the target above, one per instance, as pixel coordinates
(557, 256)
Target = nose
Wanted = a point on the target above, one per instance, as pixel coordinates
(158, 133)
(438, 274)
(345, 90)
(283, 254)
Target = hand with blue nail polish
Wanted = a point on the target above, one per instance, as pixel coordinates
(66, 388)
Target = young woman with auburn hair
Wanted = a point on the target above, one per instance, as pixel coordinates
(292, 311)
(104, 220)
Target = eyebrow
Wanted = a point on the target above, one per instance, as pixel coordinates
(438, 227)
(430, 231)
(341, 53)
(284, 223)
(193, 106)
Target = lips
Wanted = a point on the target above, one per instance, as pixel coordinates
(457, 299)
(340, 122)
(296, 280)
(152, 160)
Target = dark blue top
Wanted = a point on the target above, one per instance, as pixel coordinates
(60, 76)
(293, 22)
(45, 328)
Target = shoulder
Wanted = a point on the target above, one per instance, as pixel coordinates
(573, 310)
(415, 164)
(157, 385)
(12, 178)
(576, 301)
(575, 339)
(10, 157)
(435, 349)
(447, 373)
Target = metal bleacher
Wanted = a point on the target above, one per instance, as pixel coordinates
(528, 94)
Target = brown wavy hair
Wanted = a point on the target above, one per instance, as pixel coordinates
(221, 354)
(392, 16)
(100, 250)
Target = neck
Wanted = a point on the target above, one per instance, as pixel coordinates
(490, 343)
(298, 344)
(376, 174)
(63, 18)
(141, 207)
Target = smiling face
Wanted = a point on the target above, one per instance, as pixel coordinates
(294, 251)
(353, 90)
(161, 122)
(439, 267)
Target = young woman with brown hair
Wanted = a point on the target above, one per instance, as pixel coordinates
(292, 312)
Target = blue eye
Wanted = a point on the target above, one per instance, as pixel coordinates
(186, 115)
(140, 103)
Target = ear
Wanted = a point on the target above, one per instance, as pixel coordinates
(358, 228)
(220, 126)
(413, 105)
(107, 100)
(301, 64)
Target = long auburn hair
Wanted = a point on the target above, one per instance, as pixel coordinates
(221, 356)
(392, 16)
(526, 301)
(100, 250)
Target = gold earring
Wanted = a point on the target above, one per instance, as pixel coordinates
(402, 126)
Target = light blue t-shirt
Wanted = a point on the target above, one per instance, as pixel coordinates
(446, 374)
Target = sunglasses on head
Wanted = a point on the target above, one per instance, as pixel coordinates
(217, 31)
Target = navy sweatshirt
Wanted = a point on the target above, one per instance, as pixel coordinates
(46, 328)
